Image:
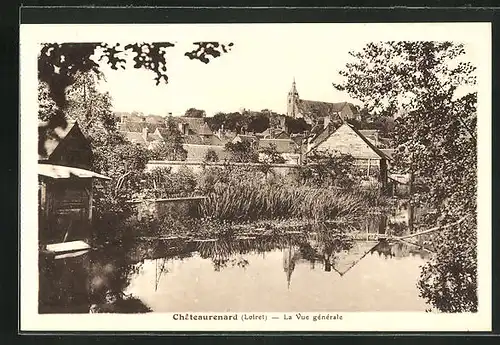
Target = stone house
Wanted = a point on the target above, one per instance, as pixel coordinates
(348, 140)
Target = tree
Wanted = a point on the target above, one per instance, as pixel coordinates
(258, 122)
(432, 88)
(60, 63)
(271, 154)
(295, 126)
(112, 156)
(211, 156)
(193, 112)
(171, 147)
(325, 169)
(91, 108)
(241, 152)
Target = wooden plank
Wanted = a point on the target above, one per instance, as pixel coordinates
(67, 246)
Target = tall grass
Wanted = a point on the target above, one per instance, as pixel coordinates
(247, 201)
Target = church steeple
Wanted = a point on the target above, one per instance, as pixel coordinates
(293, 97)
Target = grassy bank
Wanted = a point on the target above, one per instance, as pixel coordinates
(249, 202)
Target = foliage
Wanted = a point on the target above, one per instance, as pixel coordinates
(211, 156)
(430, 86)
(456, 261)
(245, 121)
(162, 183)
(241, 152)
(88, 106)
(326, 169)
(193, 112)
(46, 104)
(124, 163)
(296, 125)
(271, 154)
(171, 147)
(235, 122)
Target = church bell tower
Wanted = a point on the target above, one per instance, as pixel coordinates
(293, 97)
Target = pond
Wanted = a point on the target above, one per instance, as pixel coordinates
(315, 269)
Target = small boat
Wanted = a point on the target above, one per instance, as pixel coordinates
(66, 249)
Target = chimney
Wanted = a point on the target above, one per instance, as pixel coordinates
(145, 133)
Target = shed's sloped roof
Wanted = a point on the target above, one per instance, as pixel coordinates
(54, 136)
(63, 172)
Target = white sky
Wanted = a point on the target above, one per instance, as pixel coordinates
(256, 74)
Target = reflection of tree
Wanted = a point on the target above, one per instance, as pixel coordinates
(225, 251)
(92, 282)
(324, 243)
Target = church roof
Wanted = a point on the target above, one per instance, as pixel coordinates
(316, 109)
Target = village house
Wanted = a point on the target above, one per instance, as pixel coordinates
(348, 140)
(65, 185)
(287, 148)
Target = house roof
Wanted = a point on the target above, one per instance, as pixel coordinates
(153, 137)
(198, 152)
(297, 138)
(134, 137)
(194, 123)
(155, 119)
(388, 152)
(54, 136)
(368, 132)
(369, 143)
(163, 132)
(196, 139)
(322, 133)
(248, 138)
(282, 145)
(316, 109)
(131, 126)
(204, 130)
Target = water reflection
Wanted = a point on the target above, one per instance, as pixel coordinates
(143, 276)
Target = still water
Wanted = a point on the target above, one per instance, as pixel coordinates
(321, 270)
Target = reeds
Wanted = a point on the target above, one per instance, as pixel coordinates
(249, 201)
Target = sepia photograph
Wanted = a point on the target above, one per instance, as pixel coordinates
(256, 173)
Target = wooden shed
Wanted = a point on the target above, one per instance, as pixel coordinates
(65, 187)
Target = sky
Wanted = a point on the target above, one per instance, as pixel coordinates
(257, 73)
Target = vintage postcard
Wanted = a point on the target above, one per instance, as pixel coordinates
(256, 177)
